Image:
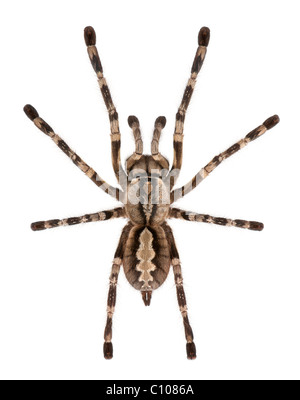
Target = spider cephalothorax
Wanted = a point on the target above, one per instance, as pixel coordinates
(147, 247)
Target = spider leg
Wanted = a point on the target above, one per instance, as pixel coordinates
(203, 40)
(112, 293)
(217, 160)
(33, 115)
(192, 216)
(99, 216)
(190, 345)
(90, 40)
(134, 124)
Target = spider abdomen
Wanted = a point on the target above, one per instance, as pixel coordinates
(146, 259)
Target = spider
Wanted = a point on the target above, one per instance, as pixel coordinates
(147, 248)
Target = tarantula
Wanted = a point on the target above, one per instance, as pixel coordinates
(147, 247)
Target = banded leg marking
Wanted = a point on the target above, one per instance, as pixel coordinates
(191, 216)
(112, 292)
(111, 303)
(181, 298)
(99, 216)
(217, 160)
(203, 40)
(33, 115)
(190, 345)
(90, 40)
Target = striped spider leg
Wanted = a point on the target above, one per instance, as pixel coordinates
(33, 115)
(203, 41)
(217, 160)
(192, 216)
(90, 40)
(118, 212)
(112, 293)
(175, 261)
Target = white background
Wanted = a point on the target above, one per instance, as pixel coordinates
(242, 287)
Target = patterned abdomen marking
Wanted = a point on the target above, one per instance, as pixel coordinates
(146, 260)
(145, 254)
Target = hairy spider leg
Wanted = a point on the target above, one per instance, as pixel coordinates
(90, 41)
(192, 216)
(175, 261)
(112, 292)
(203, 40)
(33, 115)
(217, 160)
(94, 217)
